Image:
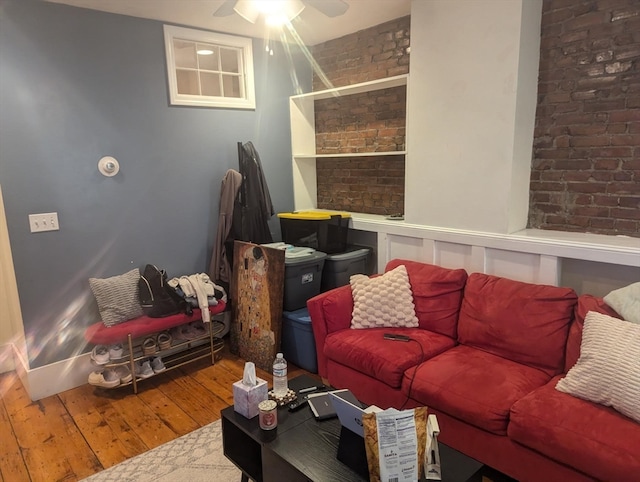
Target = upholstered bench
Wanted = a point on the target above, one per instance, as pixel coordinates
(100, 334)
(180, 353)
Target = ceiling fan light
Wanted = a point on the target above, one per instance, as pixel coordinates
(276, 12)
(292, 8)
(247, 9)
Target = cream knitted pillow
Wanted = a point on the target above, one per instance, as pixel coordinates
(383, 301)
(608, 370)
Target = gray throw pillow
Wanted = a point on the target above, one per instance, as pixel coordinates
(117, 297)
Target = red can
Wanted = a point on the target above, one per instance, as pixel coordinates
(268, 414)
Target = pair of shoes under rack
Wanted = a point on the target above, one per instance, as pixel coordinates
(148, 368)
(162, 342)
(190, 331)
(102, 354)
(110, 377)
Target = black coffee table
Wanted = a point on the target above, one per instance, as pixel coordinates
(304, 449)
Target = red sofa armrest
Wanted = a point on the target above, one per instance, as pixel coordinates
(330, 311)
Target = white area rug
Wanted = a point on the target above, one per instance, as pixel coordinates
(194, 457)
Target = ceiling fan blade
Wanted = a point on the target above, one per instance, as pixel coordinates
(225, 9)
(331, 8)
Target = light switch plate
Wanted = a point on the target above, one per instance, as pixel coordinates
(43, 222)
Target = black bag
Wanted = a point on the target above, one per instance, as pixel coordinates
(157, 298)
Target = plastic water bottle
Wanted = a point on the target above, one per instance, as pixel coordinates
(280, 385)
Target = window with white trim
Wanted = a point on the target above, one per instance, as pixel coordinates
(209, 69)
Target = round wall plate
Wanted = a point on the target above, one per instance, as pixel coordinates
(108, 166)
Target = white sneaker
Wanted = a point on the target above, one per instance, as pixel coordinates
(143, 369)
(116, 351)
(157, 365)
(107, 378)
(123, 372)
(100, 354)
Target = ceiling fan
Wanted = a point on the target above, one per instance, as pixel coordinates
(279, 11)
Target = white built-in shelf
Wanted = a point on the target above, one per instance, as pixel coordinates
(372, 85)
(303, 136)
(352, 154)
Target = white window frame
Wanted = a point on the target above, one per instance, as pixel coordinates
(222, 40)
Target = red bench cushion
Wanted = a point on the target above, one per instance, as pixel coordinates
(100, 334)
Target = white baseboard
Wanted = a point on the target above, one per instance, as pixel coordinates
(54, 378)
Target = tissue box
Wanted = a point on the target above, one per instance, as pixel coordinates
(246, 399)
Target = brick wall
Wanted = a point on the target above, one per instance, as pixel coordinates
(374, 53)
(370, 122)
(374, 185)
(586, 167)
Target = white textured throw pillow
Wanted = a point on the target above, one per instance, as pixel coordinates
(608, 370)
(117, 297)
(626, 302)
(383, 301)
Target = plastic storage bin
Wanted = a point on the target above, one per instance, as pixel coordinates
(325, 231)
(339, 267)
(302, 277)
(298, 344)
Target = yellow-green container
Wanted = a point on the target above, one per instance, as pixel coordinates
(325, 231)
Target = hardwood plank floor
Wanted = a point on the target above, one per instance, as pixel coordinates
(74, 434)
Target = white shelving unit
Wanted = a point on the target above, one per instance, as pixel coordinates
(303, 136)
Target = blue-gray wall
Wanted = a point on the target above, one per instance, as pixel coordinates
(76, 85)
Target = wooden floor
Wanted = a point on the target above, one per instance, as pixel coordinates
(74, 434)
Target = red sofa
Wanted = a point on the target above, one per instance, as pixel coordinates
(485, 358)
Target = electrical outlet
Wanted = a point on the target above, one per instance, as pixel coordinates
(43, 222)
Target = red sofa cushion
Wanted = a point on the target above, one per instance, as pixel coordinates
(366, 351)
(437, 294)
(595, 439)
(585, 304)
(473, 385)
(524, 322)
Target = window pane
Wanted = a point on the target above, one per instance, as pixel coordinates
(231, 85)
(185, 54)
(207, 61)
(229, 59)
(187, 82)
(210, 84)
(209, 69)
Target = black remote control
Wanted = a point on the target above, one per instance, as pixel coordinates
(298, 404)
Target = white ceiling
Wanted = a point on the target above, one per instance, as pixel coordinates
(312, 26)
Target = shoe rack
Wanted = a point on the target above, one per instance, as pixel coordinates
(181, 352)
